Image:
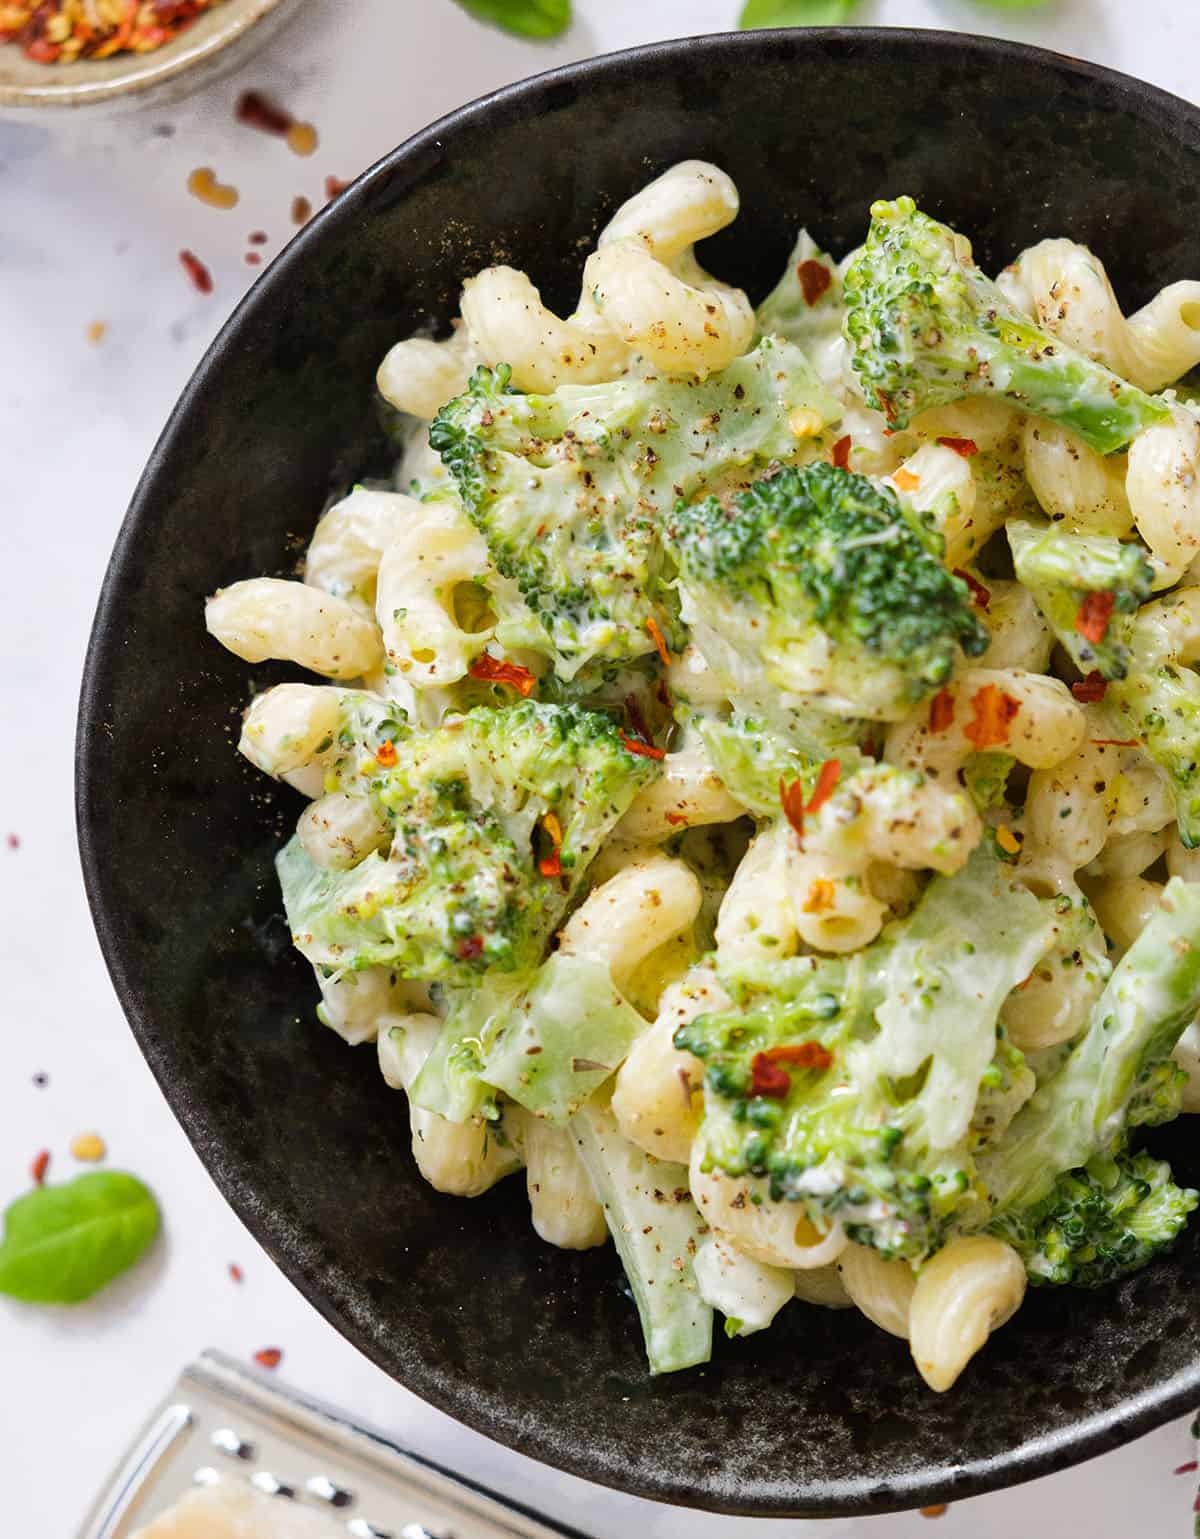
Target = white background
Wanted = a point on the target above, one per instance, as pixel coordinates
(92, 216)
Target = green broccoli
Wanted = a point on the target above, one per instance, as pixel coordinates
(569, 489)
(827, 584)
(926, 327)
(1087, 586)
(1110, 1217)
(1118, 1074)
(495, 818)
(850, 1084)
(1160, 700)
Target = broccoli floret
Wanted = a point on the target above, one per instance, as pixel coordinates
(850, 1084)
(477, 809)
(1087, 586)
(1118, 1075)
(925, 327)
(1110, 1217)
(828, 584)
(569, 489)
(1160, 700)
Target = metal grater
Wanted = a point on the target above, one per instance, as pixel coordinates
(222, 1421)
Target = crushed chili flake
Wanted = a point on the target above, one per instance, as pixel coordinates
(938, 1510)
(815, 279)
(61, 31)
(1091, 689)
(302, 139)
(1115, 742)
(470, 948)
(551, 865)
(202, 183)
(95, 332)
(766, 1079)
(993, 711)
(827, 779)
(820, 897)
(253, 259)
(301, 210)
(1186, 1469)
(637, 718)
(236, 1272)
(941, 711)
(37, 1168)
(495, 670)
(906, 480)
(269, 1357)
(259, 111)
(1091, 620)
(981, 597)
(675, 819)
(197, 272)
(643, 750)
(791, 799)
(13, 841)
(804, 1055)
(334, 187)
(385, 754)
(840, 453)
(964, 446)
(258, 237)
(659, 640)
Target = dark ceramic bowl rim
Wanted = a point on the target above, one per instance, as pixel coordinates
(1097, 1434)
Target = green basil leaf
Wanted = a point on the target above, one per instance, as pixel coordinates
(795, 13)
(63, 1243)
(527, 18)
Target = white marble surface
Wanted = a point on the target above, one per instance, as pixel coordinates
(92, 215)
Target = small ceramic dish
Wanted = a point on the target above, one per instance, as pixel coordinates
(215, 42)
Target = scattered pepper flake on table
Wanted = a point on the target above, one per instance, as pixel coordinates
(257, 110)
(236, 1272)
(269, 1357)
(938, 1510)
(88, 1147)
(253, 259)
(334, 187)
(302, 139)
(202, 183)
(13, 841)
(95, 332)
(38, 1166)
(197, 272)
(62, 31)
(258, 237)
(301, 210)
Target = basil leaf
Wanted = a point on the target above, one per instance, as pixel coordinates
(527, 18)
(795, 13)
(63, 1243)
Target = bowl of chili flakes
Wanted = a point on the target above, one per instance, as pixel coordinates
(77, 53)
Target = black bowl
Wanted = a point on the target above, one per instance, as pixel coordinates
(460, 1301)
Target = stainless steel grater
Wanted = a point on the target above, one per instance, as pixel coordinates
(222, 1421)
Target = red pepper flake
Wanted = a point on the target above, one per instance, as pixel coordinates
(37, 1168)
(236, 1272)
(840, 453)
(766, 1079)
(815, 279)
(13, 841)
(675, 819)
(301, 210)
(258, 237)
(791, 799)
(1186, 1469)
(803, 1055)
(334, 187)
(941, 711)
(269, 1357)
(938, 1510)
(981, 597)
(993, 709)
(471, 948)
(385, 754)
(637, 718)
(659, 640)
(551, 865)
(1115, 742)
(1094, 614)
(253, 259)
(827, 778)
(259, 111)
(197, 272)
(964, 446)
(643, 750)
(1091, 689)
(906, 480)
(494, 670)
